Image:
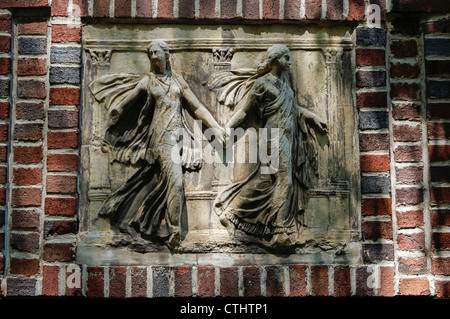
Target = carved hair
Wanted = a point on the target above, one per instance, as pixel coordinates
(162, 45)
(275, 52)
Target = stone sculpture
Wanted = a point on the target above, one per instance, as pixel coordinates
(145, 111)
(270, 205)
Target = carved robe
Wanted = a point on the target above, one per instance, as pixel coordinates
(143, 133)
(269, 204)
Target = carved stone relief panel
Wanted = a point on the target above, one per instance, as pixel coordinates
(213, 144)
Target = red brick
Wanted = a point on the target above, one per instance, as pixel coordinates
(50, 280)
(59, 252)
(101, 8)
(74, 277)
(404, 70)
(374, 230)
(62, 162)
(415, 241)
(29, 111)
(414, 286)
(80, 8)
(26, 196)
(376, 206)
(60, 8)
(438, 130)
(405, 91)
(31, 66)
(252, 281)
(335, 9)
(319, 280)
(2, 196)
(440, 195)
(342, 284)
(439, 153)
(386, 281)
(62, 118)
(23, 266)
(373, 142)
(3, 132)
(58, 140)
(30, 89)
(412, 266)
(59, 227)
(406, 153)
(27, 176)
(33, 28)
(25, 219)
(313, 9)
(138, 282)
(4, 110)
(440, 240)
(3, 152)
(228, 9)
(95, 282)
(229, 282)
(440, 217)
(440, 26)
(28, 132)
(275, 281)
(165, 9)
(61, 184)
(410, 219)
(442, 289)
(3, 175)
(374, 163)
(5, 65)
(122, 9)
(250, 9)
(5, 23)
(144, 8)
(183, 281)
(409, 195)
(117, 282)
(207, 9)
(23, 3)
(406, 111)
(440, 266)
(206, 281)
(28, 154)
(60, 206)
(271, 9)
(404, 48)
(5, 43)
(292, 9)
(356, 10)
(409, 174)
(438, 110)
(66, 33)
(64, 96)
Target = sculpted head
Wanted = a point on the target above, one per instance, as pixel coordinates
(158, 53)
(277, 54)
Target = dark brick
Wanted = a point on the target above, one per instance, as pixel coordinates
(206, 281)
(95, 282)
(5, 43)
(370, 78)
(375, 184)
(250, 9)
(29, 111)
(252, 281)
(160, 281)
(370, 36)
(4, 87)
(101, 8)
(69, 75)
(207, 9)
(275, 282)
(370, 57)
(406, 25)
(440, 173)
(62, 118)
(23, 3)
(373, 230)
(373, 120)
(409, 196)
(372, 99)
(375, 252)
(440, 26)
(122, 9)
(406, 133)
(363, 281)
(319, 280)
(438, 130)
(438, 68)
(404, 70)
(229, 282)
(406, 111)
(404, 48)
(59, 227)
(24, 266)
(25, 242)
(405, 91)
(21, 286)
(32, 45)
(31, 89)
(342, 284)
(335, 9)
(313, 9)
(59, 252)
(138, 282)
(438, 89)
(292, 9)
(228, 9)
(183, 281)
(28, 132)
(373, 142)
(25, 219)
(437, 47)
(186, 9)
(420, 6)
(65, 54)
(117, 282)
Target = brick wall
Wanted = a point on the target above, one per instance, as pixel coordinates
(402, 93)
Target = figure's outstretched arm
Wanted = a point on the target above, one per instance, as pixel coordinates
(117, 110)
(319, 122)
(243, 108)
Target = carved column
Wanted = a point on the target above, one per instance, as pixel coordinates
(333, 61)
